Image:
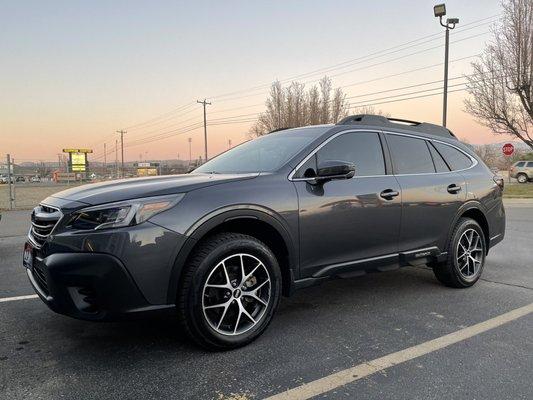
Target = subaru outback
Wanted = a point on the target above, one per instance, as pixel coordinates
(278, 213)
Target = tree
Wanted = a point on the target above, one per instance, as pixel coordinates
(490, 154)
(501, 87)
(293, 106)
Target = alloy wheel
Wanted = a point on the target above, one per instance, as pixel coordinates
(236, 294)
(470, 253)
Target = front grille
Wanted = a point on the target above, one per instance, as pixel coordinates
(43, 220)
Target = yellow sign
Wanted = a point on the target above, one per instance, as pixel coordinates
(78, 161)
(78, 168)
(77, 151)
(146, 172)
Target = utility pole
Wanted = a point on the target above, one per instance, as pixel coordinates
(9, 182)
(229, 143)
(116, 158)
(204, 103)
(122, 132)
(105, 160)
(190, 142)
(440, 11)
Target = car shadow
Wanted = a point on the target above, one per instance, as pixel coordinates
(161, 331)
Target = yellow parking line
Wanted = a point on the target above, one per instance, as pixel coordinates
(363, 370)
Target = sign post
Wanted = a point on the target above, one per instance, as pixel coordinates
(508, 151)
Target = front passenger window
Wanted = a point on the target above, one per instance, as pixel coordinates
(360, 148)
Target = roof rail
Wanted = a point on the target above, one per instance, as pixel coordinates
(380, 120)
(279, 129)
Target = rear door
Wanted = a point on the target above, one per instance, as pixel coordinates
(431, 192)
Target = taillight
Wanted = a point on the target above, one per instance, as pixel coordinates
(499, 181)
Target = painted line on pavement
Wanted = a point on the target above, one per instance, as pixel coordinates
(17, 298)
(341, 378)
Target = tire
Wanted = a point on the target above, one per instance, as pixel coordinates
(457, 271)
(216, 306)
(522, 178)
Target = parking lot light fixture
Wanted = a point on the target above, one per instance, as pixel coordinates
(440, 11)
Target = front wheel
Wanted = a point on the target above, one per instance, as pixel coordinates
(229, 292)
(466, 256)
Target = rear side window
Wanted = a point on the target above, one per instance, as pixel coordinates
(529, 164)
(521, 164)
(360, 148)
(410, 155)
(454, 158)
(440, 164)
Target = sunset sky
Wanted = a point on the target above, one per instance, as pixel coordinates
(74, 72)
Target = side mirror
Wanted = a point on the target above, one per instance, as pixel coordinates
(332, 169)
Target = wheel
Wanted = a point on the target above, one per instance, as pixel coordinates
(466, 256)
(522, 178)
(229, 291)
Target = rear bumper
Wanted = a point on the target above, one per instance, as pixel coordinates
(88, 286)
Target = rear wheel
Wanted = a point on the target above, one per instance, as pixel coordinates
(522, 178)
(465, 256)
(229, 292)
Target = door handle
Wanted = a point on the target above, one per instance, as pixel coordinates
(453, 188)
(389, 194)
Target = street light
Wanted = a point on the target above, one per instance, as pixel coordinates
(440, 11)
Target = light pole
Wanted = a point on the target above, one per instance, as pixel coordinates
(440, 11)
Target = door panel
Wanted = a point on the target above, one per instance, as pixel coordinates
(347, 220)
(428, 208)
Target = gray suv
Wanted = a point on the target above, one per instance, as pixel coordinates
(522, 171)
(279, 213)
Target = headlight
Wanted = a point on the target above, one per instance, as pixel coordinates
(124, 213)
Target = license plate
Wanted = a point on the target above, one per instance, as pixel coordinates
(27, 256)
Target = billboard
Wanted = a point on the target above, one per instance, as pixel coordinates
(77, 159)
(78, 162)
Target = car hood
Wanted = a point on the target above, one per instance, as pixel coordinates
(126, 189)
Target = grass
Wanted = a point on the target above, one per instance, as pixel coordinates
(28, 196)
(518, 190)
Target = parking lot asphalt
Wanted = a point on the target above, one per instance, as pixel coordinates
(317, 332)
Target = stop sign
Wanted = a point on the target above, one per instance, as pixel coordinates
(508, 149)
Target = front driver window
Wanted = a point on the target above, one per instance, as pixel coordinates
(360, 148)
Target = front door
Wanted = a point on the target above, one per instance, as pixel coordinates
(342, 221)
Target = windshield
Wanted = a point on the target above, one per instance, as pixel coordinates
(264, 154)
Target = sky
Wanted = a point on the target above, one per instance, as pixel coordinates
(72, 73)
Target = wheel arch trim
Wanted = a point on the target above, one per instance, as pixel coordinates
(211, 221)
(470, 205)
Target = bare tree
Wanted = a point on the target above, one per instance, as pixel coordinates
(501, 87)
(313, 99)
(370, 110)
(293, 106)
(490, 154)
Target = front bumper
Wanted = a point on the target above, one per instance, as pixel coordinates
(88, 286)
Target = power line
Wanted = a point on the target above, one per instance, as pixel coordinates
(408, 98)
(180, 108)
(169, 115)
(383, 52)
